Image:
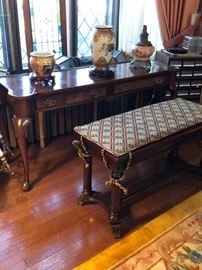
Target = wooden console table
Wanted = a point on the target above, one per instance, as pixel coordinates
(72, 87)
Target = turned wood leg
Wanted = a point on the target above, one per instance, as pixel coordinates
(41, 129)
(95, 110)
(114, 215)
(20, 126)
(87, 176)
(86, 158)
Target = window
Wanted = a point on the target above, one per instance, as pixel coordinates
(9, 37)
(90, 13)
(145, 13)
(65, 27)
(44, 27)
(23, 47)
(3, 47)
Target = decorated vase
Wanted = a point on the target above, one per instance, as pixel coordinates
(102, 46)
(42, 63)
(142, 51)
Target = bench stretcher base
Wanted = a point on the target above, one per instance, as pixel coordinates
(112, 202)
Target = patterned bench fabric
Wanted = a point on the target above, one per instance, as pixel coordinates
(122, 133)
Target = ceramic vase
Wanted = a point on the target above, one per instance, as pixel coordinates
(42, 63)
(102, 46)
(142, 51)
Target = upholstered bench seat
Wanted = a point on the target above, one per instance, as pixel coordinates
(125, 139)
(123, 133)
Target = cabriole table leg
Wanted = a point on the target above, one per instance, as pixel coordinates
(20, 126)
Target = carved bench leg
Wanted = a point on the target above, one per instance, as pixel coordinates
(114, 210)
(86, 158)
(87, 176)
(114, 216)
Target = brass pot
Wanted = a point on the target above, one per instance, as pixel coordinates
(42, 63)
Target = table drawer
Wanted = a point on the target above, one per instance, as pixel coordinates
(140, 84)
(71, 98)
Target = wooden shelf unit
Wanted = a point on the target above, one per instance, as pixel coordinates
(189, 74)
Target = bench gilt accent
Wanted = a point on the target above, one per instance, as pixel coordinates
(123, 140)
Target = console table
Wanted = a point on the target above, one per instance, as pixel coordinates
(72, 87)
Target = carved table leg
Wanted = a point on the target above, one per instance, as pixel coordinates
(85, 196)
(20, 126)
(41, 129)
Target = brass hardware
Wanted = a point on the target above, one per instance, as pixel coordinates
(50, 102)
(4, 149)
(82, 151)
(99, 93)
(122, 88)
(112, 180)
(116, 182)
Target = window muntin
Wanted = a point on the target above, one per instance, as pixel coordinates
(46, 26)
(89, 14)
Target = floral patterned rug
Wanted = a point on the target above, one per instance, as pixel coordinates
(172, 241)
(178, 248)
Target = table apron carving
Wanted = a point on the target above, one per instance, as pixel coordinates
(75, 97)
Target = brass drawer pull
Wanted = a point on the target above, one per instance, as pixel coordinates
(98, 93)
(50, 102)
(122, 88)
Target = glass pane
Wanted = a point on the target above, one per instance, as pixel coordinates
(3, 43)
(22, 34)
(90, 13)
(2, 64)
(46, 26)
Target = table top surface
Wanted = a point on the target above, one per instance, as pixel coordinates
(21, 85)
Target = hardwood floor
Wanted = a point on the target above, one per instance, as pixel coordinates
(46, 228)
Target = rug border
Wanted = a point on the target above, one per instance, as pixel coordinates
(106, 259)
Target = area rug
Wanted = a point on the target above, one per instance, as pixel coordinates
(171, 241)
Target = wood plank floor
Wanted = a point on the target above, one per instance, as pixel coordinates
(46, 228)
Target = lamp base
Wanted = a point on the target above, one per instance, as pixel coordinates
(101, 73)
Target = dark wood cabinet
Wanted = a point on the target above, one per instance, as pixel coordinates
(189, 72)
